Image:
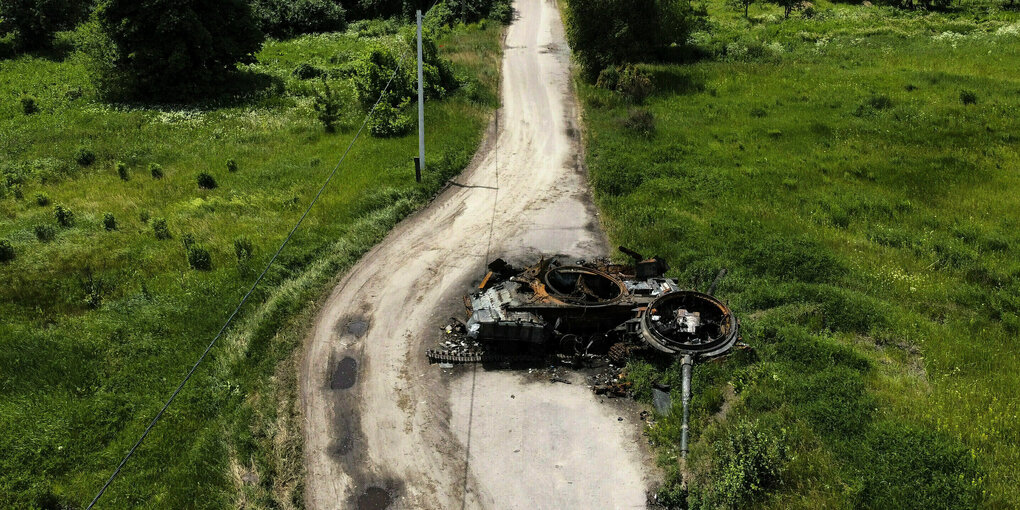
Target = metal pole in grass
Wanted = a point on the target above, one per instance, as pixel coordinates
(419, 165)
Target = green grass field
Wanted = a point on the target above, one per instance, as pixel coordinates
(858, 174)
(98, 325)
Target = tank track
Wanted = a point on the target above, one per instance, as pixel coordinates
(460, 357)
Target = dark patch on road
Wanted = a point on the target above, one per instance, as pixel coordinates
(345, 374)
(357, 327)
(375, 498)
(345, 444)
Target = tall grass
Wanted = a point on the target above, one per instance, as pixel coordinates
(857, 174)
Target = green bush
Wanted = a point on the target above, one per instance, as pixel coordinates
(287, 18)
(84, 156)
(65, 216)
(42, 199)
(452, 12)
(327, 106)
(176, 49)
(45, 233)
(968, 97)
(389, 121)
(206, 181)
(122, 171)
(143, 216)
(199, 258)
(749, 461)
(109, 222)
(634, 84)
(373, 71)
(243, 248)
(603, 33)
(160, 229)
(231, 165)
(156, 170)
(28, 105)
(34, 22)
(6, 251)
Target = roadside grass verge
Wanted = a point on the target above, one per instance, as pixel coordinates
(857, 173)
(98, 325)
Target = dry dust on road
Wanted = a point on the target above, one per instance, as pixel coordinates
(383, 429)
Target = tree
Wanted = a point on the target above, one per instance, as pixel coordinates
(287, 18)
(742, 4)
(34, 22)
(178, 49)
(603, 33)
(787, 5)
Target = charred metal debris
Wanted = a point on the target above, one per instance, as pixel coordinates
(584, 312)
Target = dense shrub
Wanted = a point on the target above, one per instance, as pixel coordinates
(160, 229)
(968, 97)
(34, 22)
(451, 12)
(634, 84)
(156, 170)
(28, 105)
(122, 171)
(177, 49)
(206, 181)
(199, 258)
(84, 156)
(231, 165)
(327, 106)
(640, 121)
(109, 222)
(42, 200)
(373, 71)
(6, 251)
(368, 9)
(602, 33)
(45, 233)
(287, 18)
(65, 216)
(388, 120)
(748, 461)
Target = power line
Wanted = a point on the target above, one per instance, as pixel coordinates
(258, 280)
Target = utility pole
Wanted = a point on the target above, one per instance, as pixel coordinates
(419, 163)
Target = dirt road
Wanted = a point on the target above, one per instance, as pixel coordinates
(385, 429)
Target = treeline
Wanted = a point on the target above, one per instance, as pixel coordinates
(180, 49)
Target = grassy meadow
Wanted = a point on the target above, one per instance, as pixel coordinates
(100, 319)
(856, 169)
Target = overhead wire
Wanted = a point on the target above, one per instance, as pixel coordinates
(258, 280)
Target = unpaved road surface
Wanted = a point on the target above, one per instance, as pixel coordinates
(383, 429)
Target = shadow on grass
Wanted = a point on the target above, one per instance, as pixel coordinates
(238, 88)
(676, 80)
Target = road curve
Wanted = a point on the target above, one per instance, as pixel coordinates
(382, 428)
